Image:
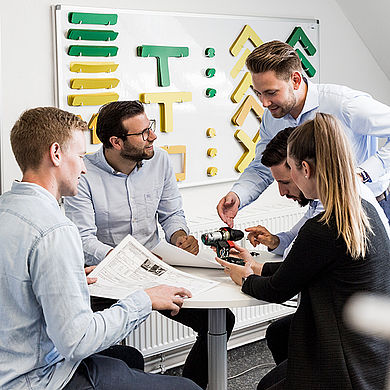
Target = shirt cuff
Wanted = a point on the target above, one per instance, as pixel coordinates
(244, 200)
(169, 231)
(277, 251)
(140, 301)
(374, 168)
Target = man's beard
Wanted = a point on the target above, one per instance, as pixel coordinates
(302, 201)
(287, 107)
(134, 154)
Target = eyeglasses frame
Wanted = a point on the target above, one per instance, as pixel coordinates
(152, 127)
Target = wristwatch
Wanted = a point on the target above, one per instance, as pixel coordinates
(365, 176)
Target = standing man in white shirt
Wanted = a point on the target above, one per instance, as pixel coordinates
(289, 100)
(128, 187)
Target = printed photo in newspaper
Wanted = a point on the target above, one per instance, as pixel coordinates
(130, 266)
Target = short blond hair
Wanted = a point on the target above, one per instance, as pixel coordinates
(274, 56)
(37, 129)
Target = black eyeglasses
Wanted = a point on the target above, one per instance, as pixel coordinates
(145, 133)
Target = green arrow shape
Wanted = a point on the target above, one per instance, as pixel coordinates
(298, 35)
(307, 66)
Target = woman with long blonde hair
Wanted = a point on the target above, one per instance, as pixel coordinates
(339, 252)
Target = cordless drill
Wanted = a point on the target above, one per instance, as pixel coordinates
(222, 240)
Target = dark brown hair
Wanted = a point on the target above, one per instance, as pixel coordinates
(111, 117)
(276, 150)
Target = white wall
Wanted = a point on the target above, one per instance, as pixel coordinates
(371, 20)
(27, 68)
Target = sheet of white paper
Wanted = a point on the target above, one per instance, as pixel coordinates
(130, 266)
(175, 256)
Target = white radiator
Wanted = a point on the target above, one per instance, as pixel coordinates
(165, 343)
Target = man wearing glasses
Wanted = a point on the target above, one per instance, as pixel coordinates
(128, 186)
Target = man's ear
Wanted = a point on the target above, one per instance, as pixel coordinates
(296, 79)
(116, 142)
(55, 154)
(307, 169)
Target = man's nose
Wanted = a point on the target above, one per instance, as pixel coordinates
(283, 191)
(265, 102)
(83, 167)
(152, 136)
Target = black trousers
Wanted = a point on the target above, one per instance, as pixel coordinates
(121, 368)
(275, 379)
(196, 364)
(277, 338)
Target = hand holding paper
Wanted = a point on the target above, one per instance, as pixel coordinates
(168, 297)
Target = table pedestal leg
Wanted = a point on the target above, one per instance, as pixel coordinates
(217, 350)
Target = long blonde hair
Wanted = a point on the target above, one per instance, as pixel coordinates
(322, 143)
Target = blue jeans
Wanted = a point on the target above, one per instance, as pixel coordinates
(103, 372)
(196, 364)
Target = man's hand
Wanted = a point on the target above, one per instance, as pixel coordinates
(168, 297)
(88, 270)
(228, 207)
(260, 235)
(187, 243)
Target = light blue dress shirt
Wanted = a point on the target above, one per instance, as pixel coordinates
(46, 324)
(111, 205)
(363, 119)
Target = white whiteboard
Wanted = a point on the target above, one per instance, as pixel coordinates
(138, 75)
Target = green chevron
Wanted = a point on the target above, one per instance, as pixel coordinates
(307, 66)
(298, 35)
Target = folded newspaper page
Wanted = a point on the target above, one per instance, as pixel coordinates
(130, 266)
(175, 256)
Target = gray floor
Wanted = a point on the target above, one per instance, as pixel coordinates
(241, 359)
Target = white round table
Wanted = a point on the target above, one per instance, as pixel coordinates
(225, 295)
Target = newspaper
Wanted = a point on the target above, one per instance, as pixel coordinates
(130, 266)
(175, 256)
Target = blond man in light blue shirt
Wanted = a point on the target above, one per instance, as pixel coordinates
(49, 336)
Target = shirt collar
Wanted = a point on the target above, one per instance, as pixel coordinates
(314, 203)
(101, 162)
(312, 98)
(26, 188)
